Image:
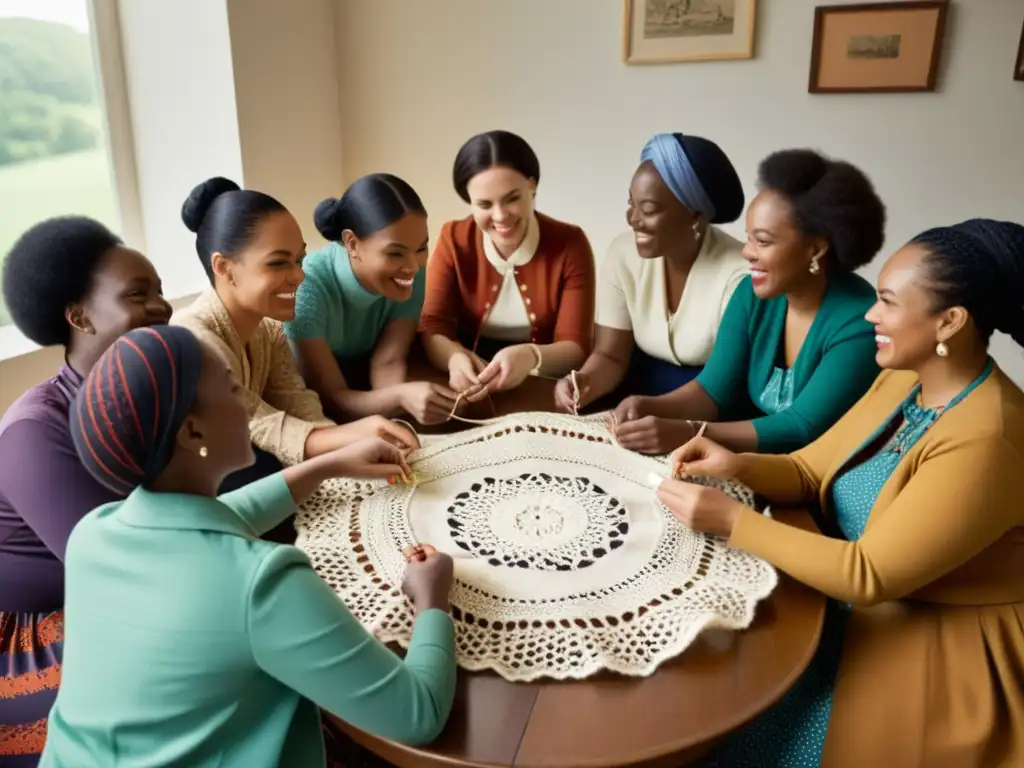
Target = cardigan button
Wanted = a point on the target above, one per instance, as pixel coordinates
(527, 300)
(523, 287)
(494, 288)
(487, 305)
(533, 317)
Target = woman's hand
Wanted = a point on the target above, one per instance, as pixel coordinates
(428, 577)
(378, 426)
(426, 402)
(703, 509)
(566, 393)
(369, 458)
(509, 368)
(463, 370)
(632, 408)
(702, 456)
(652, 434)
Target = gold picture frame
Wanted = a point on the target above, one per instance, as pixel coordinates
(669, 31)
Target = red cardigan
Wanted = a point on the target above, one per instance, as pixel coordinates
(557, 285)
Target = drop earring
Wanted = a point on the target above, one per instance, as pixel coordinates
(696, 230)
(941, 350)
(203, 453)
(814, 268)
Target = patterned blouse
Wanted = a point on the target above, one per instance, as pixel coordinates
(282, 410)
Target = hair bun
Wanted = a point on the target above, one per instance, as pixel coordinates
(199, 200)
(327, 220)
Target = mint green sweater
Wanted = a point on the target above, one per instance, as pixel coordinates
(834, 368)
(189, 641)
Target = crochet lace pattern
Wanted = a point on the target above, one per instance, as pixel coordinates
(566, 563)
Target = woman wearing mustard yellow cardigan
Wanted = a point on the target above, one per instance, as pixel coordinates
(921, 661)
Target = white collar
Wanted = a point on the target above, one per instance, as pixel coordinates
(521, 255)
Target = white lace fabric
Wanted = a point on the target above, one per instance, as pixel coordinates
(566, 564)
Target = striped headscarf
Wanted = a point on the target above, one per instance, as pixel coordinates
(126, 417)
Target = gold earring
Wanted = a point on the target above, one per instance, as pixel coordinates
(203, 453)
(814, 268)
(941, 350)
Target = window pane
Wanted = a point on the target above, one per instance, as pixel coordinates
(53, 149)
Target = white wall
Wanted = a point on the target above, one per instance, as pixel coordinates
(180, 80)
(416, 79)
(286, 89)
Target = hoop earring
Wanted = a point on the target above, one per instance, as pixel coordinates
(203, 452)
(941, 350)
(814, 268)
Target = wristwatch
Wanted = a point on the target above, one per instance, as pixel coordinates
(540, 360)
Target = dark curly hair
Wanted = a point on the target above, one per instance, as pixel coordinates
(370, 204)
(487, 150)
(831, 199)
(224, 217)
(979, 265)
(50, 267)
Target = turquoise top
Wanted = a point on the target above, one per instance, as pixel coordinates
(777, 394)
(332, 305)
(834, 368)
(189, 641)
(854, 491)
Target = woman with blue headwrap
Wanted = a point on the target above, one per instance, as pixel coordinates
(922, 654)
(664, 284)
(793, 352)
(190, 641)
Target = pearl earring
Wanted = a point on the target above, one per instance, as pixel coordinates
(941, 350)
(814, 268)
(203, 453)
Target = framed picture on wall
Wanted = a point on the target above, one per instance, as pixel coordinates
(1018, 70)
(665, 31)
(877, 47)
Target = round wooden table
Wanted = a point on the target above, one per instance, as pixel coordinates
(723, 680)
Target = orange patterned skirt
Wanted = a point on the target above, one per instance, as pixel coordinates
(31, 648)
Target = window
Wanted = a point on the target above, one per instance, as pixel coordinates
(54, 148)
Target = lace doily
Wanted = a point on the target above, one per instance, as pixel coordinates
(565, 561)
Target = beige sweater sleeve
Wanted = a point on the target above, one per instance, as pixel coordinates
(286, 411)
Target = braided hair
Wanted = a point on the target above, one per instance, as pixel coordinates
(125, 419)
(979, 265)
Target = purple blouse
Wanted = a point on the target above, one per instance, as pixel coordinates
(44, 492)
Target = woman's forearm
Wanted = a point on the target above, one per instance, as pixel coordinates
(689, 401)
(738, 436)
(603, 374)
(559, 358)
(348, 404)
(440, 349)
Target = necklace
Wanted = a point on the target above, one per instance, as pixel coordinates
(917, 419)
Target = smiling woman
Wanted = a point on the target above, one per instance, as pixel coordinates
(506, 285)
(252, 250)
(359, 306)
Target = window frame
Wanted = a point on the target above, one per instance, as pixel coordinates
(108, 58)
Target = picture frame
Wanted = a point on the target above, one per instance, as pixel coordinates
(670, 31)
(1018, 69)
(877, 47)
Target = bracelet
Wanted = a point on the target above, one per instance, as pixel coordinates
(540, 360)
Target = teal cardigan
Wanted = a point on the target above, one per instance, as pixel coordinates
(189, 641)
(834, 368)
